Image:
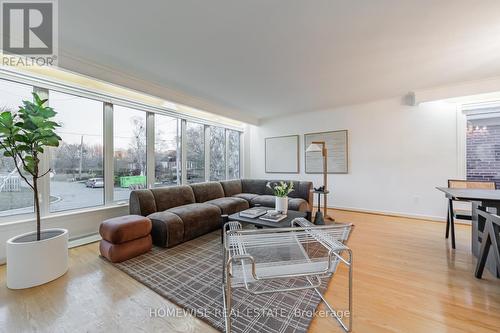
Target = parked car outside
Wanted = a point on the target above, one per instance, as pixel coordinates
(95, 183)
(90, 181)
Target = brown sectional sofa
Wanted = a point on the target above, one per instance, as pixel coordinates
(181, 213)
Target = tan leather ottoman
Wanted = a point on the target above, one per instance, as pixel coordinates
(125, 237)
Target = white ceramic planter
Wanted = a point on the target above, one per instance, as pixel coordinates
(282, 204)
(31, 263)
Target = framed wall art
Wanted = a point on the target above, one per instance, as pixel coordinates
(337, 152)
(282, 154)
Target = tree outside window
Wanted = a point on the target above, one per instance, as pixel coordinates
(167, 159)
(217, 153)
(195, 153)
(129, 131)
(233, 154)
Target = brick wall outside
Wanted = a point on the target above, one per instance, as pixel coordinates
(483, 154)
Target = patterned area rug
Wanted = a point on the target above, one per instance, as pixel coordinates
(190, 275)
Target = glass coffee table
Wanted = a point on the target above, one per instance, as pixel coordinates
(286, 222)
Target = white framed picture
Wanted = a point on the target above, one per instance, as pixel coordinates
(282, 154)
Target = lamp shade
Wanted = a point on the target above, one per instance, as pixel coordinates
(314, 147)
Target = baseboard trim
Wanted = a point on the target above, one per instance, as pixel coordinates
(84, 240)
(396, 214)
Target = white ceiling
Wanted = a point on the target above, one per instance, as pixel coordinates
(268, 57)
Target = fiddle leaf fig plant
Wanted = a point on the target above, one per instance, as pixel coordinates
(24, 135)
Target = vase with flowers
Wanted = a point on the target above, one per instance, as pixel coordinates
(281, 191)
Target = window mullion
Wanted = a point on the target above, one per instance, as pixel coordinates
(226, 152)
(207, 152)
(109, 172)
(242, 157)
(178, 153)
(183, 153)
(150, 149)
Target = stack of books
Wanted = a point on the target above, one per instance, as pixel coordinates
(273, 216)
(253, 212)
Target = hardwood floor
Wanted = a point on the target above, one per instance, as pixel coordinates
(406, 279)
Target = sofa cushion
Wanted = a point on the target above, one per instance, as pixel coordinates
(247, 196)
(229, 205)
(142, 202)
(231, 187)
(125, 228)
(264, 200)
(174, 196)
(303, 191)
(270, 201)
(257, 186)
(207, 191)
(198, 218)
(167, 229)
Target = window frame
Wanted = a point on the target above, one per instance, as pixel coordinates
(462, 112)
(44, 85)
(472, 111)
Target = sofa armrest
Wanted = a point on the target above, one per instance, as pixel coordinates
(142, 202)
(310, 200)
(305, 191)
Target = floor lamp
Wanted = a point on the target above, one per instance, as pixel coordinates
(320, 146)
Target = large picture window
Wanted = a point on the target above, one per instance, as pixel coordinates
(129, 139)
(195, 152)
(77, 177)
(167, 157)
(15, 196)
(233, 154)
(217, 153)
(77, 180)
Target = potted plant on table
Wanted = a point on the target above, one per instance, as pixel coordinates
(281, 192)
(36, 257)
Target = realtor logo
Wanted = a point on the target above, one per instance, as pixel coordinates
(29, 29)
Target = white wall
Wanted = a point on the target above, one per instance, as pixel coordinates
(398, 154)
